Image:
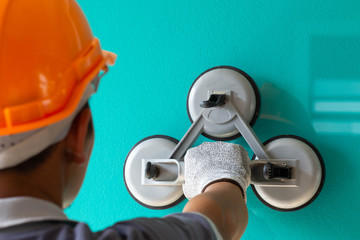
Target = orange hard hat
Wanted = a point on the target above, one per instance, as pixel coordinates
(48, 57)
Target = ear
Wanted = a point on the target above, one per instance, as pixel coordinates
(76, 138)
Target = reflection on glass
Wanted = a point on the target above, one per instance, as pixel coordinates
(326, 106)
(332, 127)
(335, 84)
(281, 113)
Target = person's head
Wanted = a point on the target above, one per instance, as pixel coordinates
(50, 66)
(69, 158)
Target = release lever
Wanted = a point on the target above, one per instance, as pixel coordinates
(279, 171)
(151, 171)
(215, 100)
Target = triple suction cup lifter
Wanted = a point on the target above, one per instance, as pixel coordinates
(265, 172)
(287, 172)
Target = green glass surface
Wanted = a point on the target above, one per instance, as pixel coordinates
(303, 55)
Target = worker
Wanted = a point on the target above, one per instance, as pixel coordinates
(50, 66)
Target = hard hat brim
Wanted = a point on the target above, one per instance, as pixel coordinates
(84, 75)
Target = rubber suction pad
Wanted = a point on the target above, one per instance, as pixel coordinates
(311, 174)
(154, 197)
(222, 78)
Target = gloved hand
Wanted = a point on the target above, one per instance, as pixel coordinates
(213, 162)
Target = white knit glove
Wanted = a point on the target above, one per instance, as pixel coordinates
(213, 162)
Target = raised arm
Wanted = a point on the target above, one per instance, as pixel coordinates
(215, 176)
(224, 204)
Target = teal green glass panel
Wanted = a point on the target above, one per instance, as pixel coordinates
(303, 55)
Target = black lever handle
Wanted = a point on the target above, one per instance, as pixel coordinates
(277, 171)
(151, 171)
(215, 100)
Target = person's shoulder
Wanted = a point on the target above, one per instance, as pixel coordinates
(53, 229)
(196, 219)
(174, 226)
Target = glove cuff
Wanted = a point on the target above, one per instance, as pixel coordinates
(225, 180)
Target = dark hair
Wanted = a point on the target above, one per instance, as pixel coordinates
(35, 161)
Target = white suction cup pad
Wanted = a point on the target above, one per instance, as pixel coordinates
(246, 99)
(155, 197)
(310, 173)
